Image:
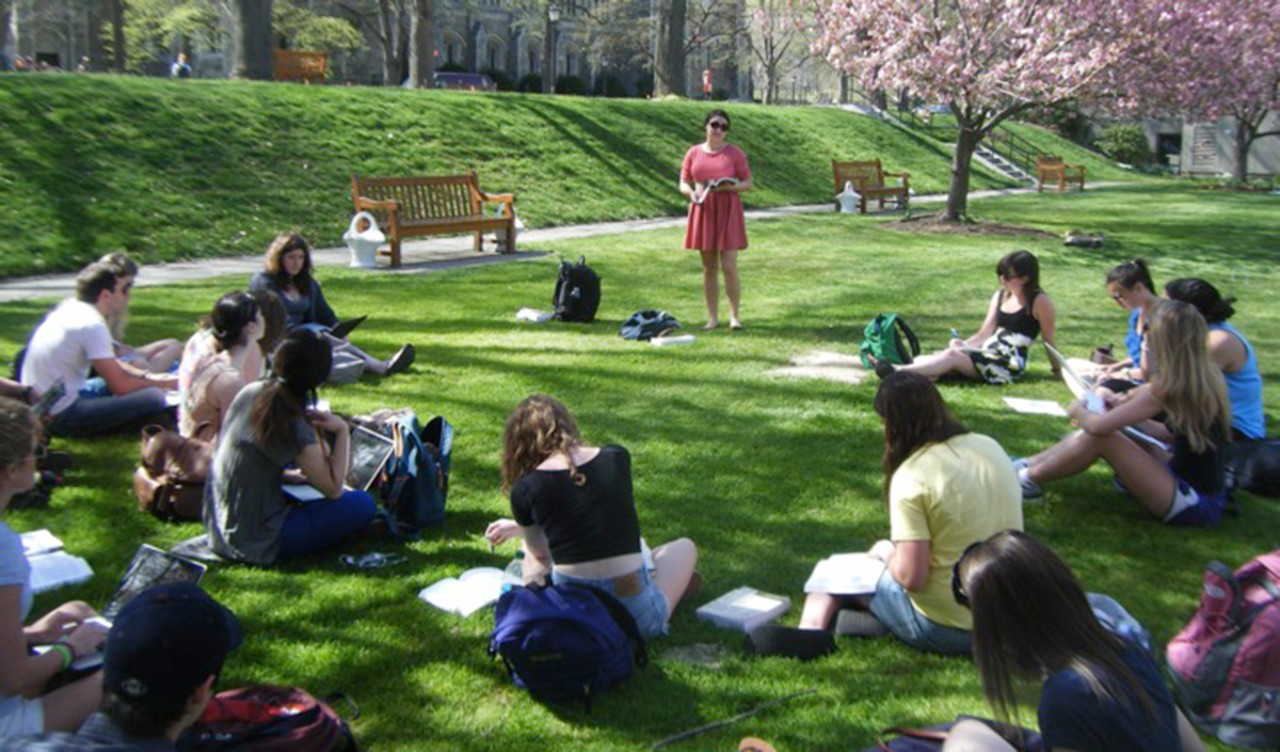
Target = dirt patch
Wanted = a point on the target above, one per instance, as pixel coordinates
(934, 223)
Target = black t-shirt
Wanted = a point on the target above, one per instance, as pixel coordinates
(594, 521)
(1206, 470)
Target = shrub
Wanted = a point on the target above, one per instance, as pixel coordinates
(610, 85)
(531, 82)
(452, 68)
(500, 79)
(571, 85)
(1125, 143)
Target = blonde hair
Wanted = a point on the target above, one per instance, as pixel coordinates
(17, 427)
(539, 427)
(1186, 381)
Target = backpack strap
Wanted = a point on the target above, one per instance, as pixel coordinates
(912, 340)
(620, 614)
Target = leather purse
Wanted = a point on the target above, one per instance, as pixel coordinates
(170, 482)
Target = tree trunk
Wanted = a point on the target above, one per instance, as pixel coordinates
(669, 62)
(97, 13)
(251, 26)
(548, 52)
(422, 36)
(958, 194)
(119, 58)
(6, 14)
(388, 34)
(1244, 139)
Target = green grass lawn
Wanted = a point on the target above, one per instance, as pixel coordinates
(91, 164)
(767, 475)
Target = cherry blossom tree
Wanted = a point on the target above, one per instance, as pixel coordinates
(988, 59)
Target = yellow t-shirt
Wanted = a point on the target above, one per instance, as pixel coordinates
(952, 494)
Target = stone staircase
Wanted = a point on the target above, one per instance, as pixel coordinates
(999, 164)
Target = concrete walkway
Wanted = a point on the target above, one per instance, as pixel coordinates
(420, 256)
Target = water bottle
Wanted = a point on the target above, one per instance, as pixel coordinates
(513, 576)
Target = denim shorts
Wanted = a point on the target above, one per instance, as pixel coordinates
(892, 606)
(649, 606)
(1192, 508)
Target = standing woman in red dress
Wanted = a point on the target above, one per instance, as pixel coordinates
(716, 225)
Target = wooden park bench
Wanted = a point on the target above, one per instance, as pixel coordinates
(1051, 168)
(868, 180)
(434, 205)
(300, 65)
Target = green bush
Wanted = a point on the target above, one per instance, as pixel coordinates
(452, 68)
(610, 85)
(531, 82)
(1125, 143)
(500, 78)
(571, 85)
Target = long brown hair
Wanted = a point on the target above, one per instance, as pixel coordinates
(1031, 618)
(302, 363)
(914, 415)
(1187, 382)
(539, 427)
(16, 428)
(274, 262)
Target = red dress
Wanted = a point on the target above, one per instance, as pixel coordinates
(717, 223)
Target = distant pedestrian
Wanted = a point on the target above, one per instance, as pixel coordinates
(181, 68)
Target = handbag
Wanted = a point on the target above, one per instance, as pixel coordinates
(170, 482)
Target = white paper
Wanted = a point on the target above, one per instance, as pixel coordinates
(56, 569)
(302, 492)
(845, 574)
(744, 609)
(680, 339)
(466, 594)
(1093, 402)
(38, 542)
(534, 315)
(1035, 407)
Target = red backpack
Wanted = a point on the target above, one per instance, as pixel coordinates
(1226, 661)
(265, 718)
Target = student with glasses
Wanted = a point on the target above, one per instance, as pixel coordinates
(25, 706)
(996, 353)
(1033, 623)
(714, 172)
(1130, 286)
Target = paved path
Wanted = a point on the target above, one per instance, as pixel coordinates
(421, 256)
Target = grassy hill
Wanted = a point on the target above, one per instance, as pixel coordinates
(188, 169)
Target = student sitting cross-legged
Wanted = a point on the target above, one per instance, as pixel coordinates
(1182, 486)
(946, 488)
(573, 504)
(268, 427)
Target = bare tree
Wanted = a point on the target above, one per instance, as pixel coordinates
(669, 52)
(251, 31)
(422, 34)
(777, 43)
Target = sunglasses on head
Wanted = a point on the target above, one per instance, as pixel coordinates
(718, 125)
(957, 584)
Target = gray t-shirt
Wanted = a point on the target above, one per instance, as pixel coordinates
(244, 508)
(14, 571)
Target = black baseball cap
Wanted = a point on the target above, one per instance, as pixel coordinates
(166, 641)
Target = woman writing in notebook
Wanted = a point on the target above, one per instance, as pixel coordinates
(574, 506)
(996, 353)
(269, 426)
(1182, 481)
(235, 326)
(25, 708)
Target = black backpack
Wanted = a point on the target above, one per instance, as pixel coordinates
(648, 324)
(577, 293)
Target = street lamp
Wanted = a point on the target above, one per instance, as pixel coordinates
(549, 49)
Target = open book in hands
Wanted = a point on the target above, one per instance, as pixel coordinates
(700, 194)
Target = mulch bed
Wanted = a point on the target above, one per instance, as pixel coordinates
(935, 223)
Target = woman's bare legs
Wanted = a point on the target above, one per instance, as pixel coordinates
(711, 286)
(1145, 476)
(371, 364)
(160, 356)
(673, 568)
(938, 364)
(732, 285)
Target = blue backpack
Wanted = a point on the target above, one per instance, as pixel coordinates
(417, 476)
(566, 642)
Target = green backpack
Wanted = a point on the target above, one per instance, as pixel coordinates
(883, 339)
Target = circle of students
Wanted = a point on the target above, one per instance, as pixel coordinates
(959, 575)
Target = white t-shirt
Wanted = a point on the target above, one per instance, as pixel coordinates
(69, 338)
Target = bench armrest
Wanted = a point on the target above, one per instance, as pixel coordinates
(390, 206)
(497, 198)
(903, 175)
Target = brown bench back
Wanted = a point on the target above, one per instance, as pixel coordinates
(1048, 160)
(432, 197)
(864, 175)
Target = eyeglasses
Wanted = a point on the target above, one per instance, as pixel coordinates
(1118, 297)
(957, 584)
(718, 125)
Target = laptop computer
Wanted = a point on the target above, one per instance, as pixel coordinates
(369, 453)
(343, 328)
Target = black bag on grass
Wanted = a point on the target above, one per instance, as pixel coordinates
(577, 295)
(1254, 466)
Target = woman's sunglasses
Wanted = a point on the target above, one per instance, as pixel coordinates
(719, 126)
(957, 584)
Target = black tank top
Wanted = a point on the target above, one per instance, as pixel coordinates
(1020, 321)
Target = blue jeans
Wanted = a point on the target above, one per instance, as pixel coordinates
(93, 414)
(892, 606)
(649, 606)
(317, 525)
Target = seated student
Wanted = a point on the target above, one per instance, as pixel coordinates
(288, 275)
(74, 337)
(1184, 487)
(25, 707)
(236, 325)
(1130, 286)
(201, 344)
(1032, 623)
(157, 357)
(154, 684)
(1230, 352)
(268, 427)
(945, 488)
(997, 352)
(573, 504)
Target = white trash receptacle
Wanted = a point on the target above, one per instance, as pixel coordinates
(848, 198)
(364, 243)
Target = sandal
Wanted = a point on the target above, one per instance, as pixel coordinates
(401, 361)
